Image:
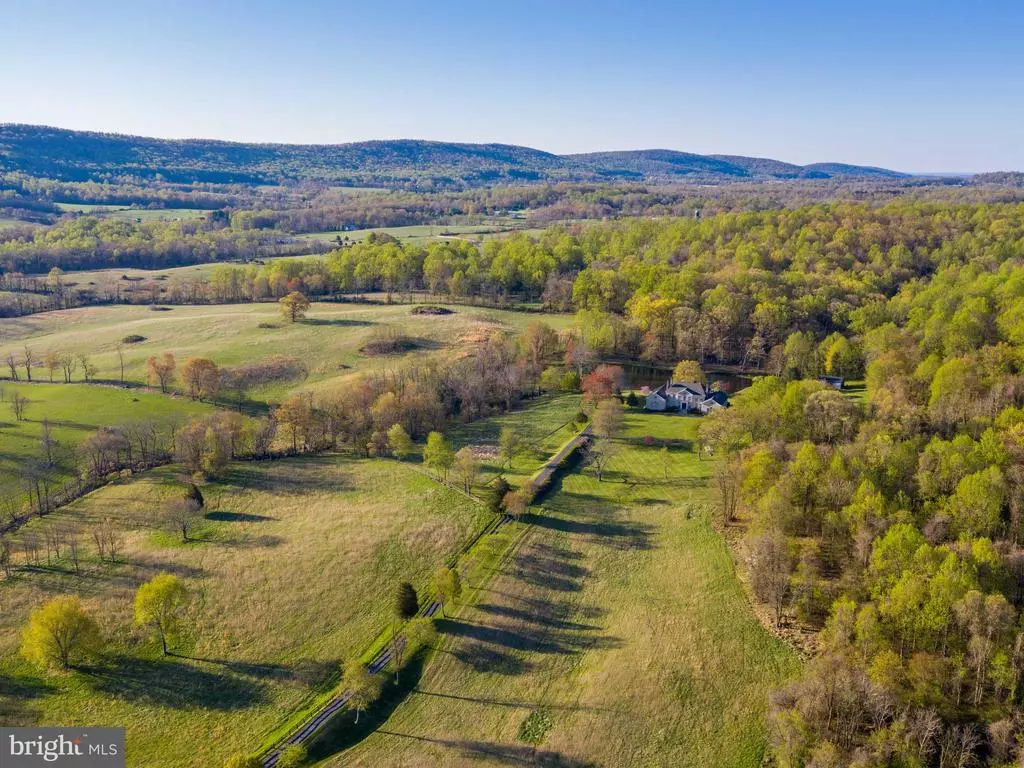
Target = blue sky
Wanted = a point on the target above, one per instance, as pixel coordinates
(919, 86)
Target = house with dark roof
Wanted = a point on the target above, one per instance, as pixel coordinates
(686, 397)
(833, 381)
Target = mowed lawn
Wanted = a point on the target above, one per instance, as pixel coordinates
(294, 569)
(74, 411)
(328, 341)
(541, 424)
(618, 635)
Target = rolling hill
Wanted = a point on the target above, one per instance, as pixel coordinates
(82, 155)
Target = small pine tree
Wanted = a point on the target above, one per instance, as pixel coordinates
(407, 602)
(497, 495)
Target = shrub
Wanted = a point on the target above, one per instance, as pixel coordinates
(292, 756)
(497, 495)
(534, 729)
(385, 340)
(133, 338)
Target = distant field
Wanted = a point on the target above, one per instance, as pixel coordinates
(294, 569)
(75, 411)
(108, 279)
(328, 341)
(8, 221)
(131, 214)
(619, 635)
(423, 232)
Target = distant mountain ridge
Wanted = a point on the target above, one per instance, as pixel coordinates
(85, 155)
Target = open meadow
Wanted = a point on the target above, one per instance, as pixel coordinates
(73, 411)
(618, 634)
(291, 570)
(327, 342)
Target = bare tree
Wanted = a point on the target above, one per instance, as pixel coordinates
(46, 442)
(68, 363)
(959, 746)
(88, 369)
(74, 547)
(108, 540)
(12, 365)
(183, 516)
(27, 361)
(18, 404)
(5, 555)
(120, 360)
(599, 454)
(727, 478)
(770, 567)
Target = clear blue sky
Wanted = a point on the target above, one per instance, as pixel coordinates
(919, 86)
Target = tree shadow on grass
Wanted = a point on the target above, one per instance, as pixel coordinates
(336, 321)
(342, 731)
(16, 697)
(502, 754)
(169, 566)
(484, 658)
(305, 672)
(292, 475)
(615, 533)
(516, 704)
(540, 615)
(174, 684)
(237, 517)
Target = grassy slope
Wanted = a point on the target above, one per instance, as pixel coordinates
(229, 334)
(620, 616)
(75, 411)
(295, 571)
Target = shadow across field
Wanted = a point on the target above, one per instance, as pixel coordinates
(300, 474)
(614, 533)
(224, 516)
(342, 731)
(16, 697)
(529, 705)
(501, 754)
(174, 684)
(304, 672)
(336, 321)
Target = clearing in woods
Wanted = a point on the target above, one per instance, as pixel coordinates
(619, 635)
(328, 342)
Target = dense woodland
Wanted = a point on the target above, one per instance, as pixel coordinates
(89, 156)
(895, 523)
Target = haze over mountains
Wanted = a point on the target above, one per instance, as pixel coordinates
(82, 155)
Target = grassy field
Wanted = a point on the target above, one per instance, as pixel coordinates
(542, 426)
(328, 341)
(132, 214)
(425, 233)
(618, 635)
(74, 411)
(293, 570)
(131, 279)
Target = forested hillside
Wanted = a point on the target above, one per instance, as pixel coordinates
(83, 156)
